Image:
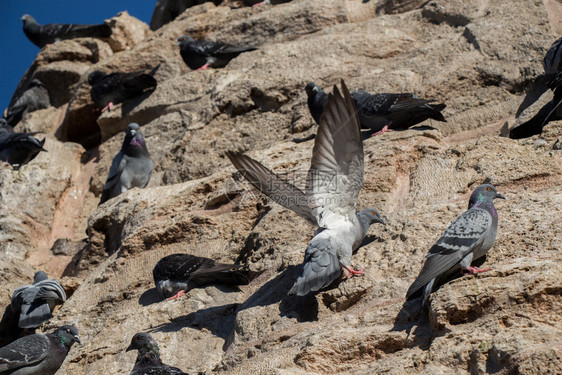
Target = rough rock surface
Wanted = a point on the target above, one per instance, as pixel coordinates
(478, 57)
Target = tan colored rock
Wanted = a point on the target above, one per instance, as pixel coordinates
(126, 31)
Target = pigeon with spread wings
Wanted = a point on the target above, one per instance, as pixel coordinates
(334, 181)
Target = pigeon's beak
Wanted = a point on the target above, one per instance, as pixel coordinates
(133, 132)
(380, 220)
(498, 195)
(129, 348)
(77, 339)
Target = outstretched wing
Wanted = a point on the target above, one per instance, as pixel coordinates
(336, 171)
(272, 185)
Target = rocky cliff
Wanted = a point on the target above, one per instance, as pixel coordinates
(478, 57)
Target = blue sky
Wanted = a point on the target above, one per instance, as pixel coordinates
(18, 52)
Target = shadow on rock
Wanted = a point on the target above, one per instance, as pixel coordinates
(149, 297)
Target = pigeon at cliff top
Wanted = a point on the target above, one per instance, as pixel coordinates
(114, 88)
(334, 181)
(33, 98)
(552, 111)
(18, 149)
(468, 238)
(199, 55)
(38, 354)
(41, 35)
(177, 273)
(148, 360)
(385, 112)
(35, 303)
(316, 101)
(131, 167)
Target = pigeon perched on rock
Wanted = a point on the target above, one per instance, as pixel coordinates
(177, 273)
(552, 61)
(468, 238)
(33, 98)
(199, 55)
(35, 303)
(18, 149)
(317, 98)
(41, 35)
(131, 167)
(552, 111)
(386, 112)
(4, 127)
(148, 360)
(114, 88)
(38, 354)
(334, 181)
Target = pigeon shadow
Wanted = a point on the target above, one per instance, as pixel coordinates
(130, 104)
(150, 297)
(538, 89)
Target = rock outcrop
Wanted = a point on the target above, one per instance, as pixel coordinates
(479, 58)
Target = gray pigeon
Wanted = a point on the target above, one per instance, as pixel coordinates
(131, 167)
(199, 54)
(148, 360)
(468, 238)
(334, 181)
(35, 303)
(177, 273)
(551, 111)
(33, 98)
(38, 354)
(41, 35)
(18, 149)
(317, 99)
(386, 112)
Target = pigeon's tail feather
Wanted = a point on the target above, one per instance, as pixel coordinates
(533, 126)
(91, 31)
(32, 316)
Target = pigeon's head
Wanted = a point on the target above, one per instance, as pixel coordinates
(40, 276)
(142, 342)
(372, 215)
(133, 137)
(68, 335)
(184, 39)
(27, 18)
(95, 76)
(311, 89)
(484, 193)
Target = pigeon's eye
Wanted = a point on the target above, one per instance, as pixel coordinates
(136, 339)
(374, 212)
(489, 188)
(67, 330)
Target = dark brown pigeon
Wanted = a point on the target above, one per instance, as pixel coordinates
(199, 55)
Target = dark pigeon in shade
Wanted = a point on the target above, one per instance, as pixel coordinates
(334, 181)
(35, 303)
(4, 127)
(178, 273)
(114, 88)
(131, 167)
(386, 112)
(148, 360)
(552, 111)
(317, 98)
(467, 239)
(199, 54)
(33, 98)
(41, 35)
(18, 149)
(38, 354)
(552, 64)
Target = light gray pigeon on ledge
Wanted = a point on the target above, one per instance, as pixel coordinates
(334, 181)
(468, 238)
(35, 303)
(38, 354)
(131, 167)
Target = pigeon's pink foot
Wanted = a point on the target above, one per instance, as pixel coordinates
(473, 270)
(383, 130)
(206, 66)
(108, 107)
(352, 272)
(261, 3)
(178, 295)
